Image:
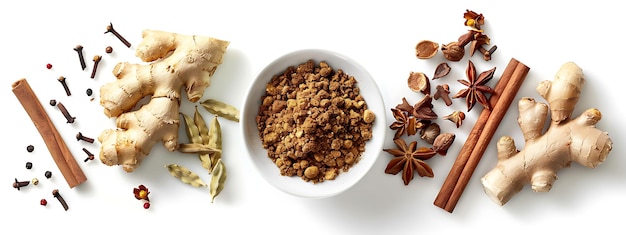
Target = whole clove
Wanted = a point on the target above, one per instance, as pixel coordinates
(57, 195)
(64, 83)
(110, 29)
(79, 50)
(487, 53)
(80, 136)
(90, 155)
(67, 115)
(443, 92)
(18, 184)
(96, 61)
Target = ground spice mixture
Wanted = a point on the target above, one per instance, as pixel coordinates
(314, 122)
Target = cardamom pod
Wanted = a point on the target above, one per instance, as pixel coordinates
(196, 148)
(202, 127)
(215, 140)
(185, 175)
(221, 109)
(203, 132)
(218, 177)
(191, 129)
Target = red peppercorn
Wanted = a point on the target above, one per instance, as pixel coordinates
(49, 66)
(146, 205)
(43, 202)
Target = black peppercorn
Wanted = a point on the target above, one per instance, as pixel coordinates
(53, 102)
(89, 91)
(48, 174)
(30, 148)
(29, 165)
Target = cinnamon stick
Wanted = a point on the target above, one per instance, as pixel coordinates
(58, 149)
(481, 134)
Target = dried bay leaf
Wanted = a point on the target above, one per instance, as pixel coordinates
(218, 178)
(221, 109)
(185, 175)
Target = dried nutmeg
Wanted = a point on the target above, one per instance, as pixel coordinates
(418, 81)
(443, 142)
(453, 51)
(430, 132)
(426, 49)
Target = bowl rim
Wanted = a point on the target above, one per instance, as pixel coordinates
(252, 141)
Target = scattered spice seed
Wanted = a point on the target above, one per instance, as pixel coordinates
(43, 202)
(108, 50)
(53, 102)
(35, 181)
(30, 148)
(49, 66)
(89, 91)
(146, 205)
(29, 165)
(48, 174)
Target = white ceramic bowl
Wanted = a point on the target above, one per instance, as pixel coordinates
(258, 155)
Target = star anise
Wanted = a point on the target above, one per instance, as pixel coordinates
(411, 118)
(405, 123)
(409, 159)
(476, 89)
(402, 120)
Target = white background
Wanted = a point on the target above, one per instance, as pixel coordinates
(380, 36)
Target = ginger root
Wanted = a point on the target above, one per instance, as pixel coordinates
(566, 140)
(177, 61)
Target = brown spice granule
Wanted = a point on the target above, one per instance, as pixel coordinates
(313, 121)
